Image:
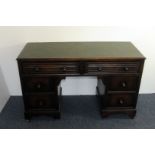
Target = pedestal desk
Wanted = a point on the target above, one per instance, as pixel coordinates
(118, 67)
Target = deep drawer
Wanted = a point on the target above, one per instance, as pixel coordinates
(113, 67)
(49, 68)
(39, 84)
(122, 83)
(41, 101)
(36, 84)
(121, 100)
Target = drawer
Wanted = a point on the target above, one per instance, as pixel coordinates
(122, 83)
(39, 84)
(41, 101)
(113, 67)
(36, 84)
(120, 100)
(49, 68)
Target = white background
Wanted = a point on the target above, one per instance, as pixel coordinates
(13, 39)
(129, 13)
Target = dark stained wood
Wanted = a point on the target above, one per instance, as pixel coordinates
(42, 101)
(37, 84)
(117, 65)
(130, 112)
(120, 100)
(122, 83)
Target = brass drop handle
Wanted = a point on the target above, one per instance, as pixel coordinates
(38, 85)
(40, 103)
(126, 68)
(121, 101)
(99, 69)
(64, 68)
(36, 69)
(123, 84)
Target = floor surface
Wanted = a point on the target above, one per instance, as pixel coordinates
(80, 112)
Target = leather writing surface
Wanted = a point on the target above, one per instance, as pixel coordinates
(80, 50)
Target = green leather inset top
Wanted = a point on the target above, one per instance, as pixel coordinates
(80, 50)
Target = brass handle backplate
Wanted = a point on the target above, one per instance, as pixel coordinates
(36, 69)
(123, 84)
(121, 101)
(126, 68)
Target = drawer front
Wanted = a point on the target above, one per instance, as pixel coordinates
(41, 101)
(36, 84)
(122, 83)
(121, 100)
(79, 67)
(113, 67)
(50, 68)
(39, 84)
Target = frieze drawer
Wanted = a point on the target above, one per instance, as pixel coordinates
(113, 67)
(50, 68)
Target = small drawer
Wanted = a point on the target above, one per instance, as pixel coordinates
(37, 84)
(49, 68)
(122, 83)
(113, 67)
(41, 101)
(121, 100)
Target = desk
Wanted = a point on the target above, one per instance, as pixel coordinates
(118, 67)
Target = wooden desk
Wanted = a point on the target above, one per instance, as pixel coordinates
(117, 65)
